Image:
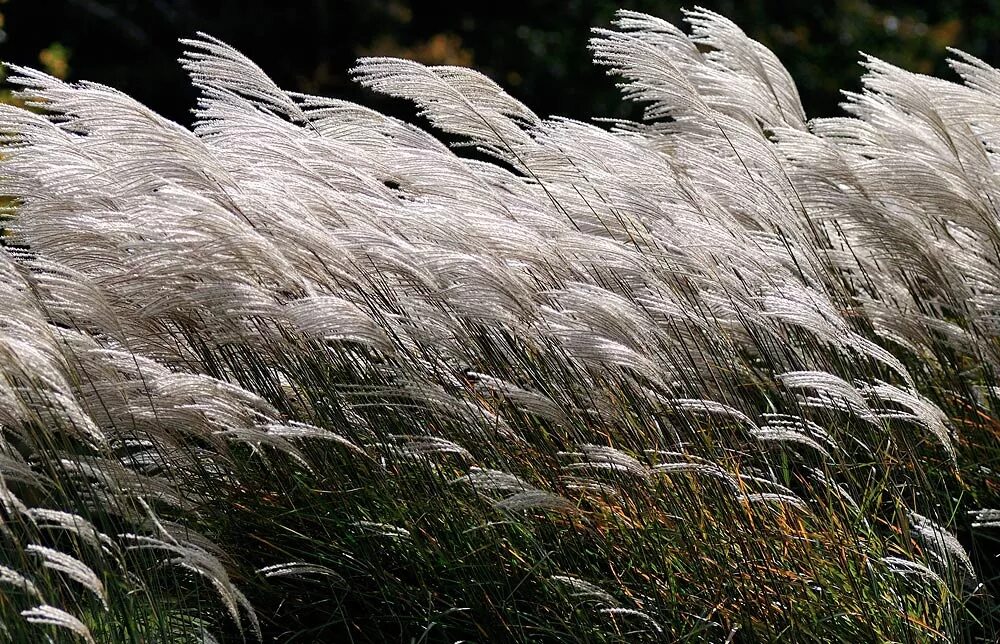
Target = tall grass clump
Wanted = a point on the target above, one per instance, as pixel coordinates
(305, 373)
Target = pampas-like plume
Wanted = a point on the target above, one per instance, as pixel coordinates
(726, 370)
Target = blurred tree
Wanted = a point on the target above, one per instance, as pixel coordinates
(55, 60)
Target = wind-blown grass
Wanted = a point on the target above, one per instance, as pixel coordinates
(303, 373)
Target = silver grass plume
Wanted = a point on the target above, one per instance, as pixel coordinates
(719, 362)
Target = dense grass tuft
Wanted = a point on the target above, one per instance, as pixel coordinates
(306, 374)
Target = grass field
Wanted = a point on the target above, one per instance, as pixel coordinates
(310, 373)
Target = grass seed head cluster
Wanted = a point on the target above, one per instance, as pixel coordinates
(305, 372)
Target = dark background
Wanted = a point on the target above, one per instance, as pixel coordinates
(536, 50)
